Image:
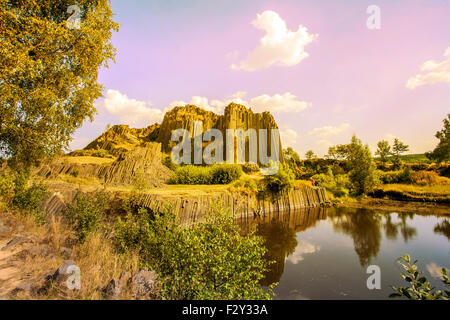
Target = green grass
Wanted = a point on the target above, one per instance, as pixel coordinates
(411, 158)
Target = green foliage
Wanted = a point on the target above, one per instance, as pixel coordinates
(283, 180)
(216, 174)
(209, 260)
(338, 152)
(363, 175)
(310, 155)
(246, 183)
(6, 183)
(339, 184)
(397, 149)
(86, 211)
(383, 150)
(442, 152)
(49, 73)
(250, 168)
(167, 161)
(30, 199)
(419, 287)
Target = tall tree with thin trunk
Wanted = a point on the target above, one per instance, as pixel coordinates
(49, 72)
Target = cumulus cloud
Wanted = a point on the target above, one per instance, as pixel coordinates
(329, 130)
(278, 103)
(131, 111)
(432, 72)
(288, 137)
(279, 46)
(303, 248)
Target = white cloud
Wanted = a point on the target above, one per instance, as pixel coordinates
(303, 247)
(329, 130)
(131, 111)
(279, 46)
(433, 72)
(288, 137)
(434, 270)
(277, 103)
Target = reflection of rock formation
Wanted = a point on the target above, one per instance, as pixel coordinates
(364, 227)
(279, 231)
(443, 228)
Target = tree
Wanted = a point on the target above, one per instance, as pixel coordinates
(363, 170)
(49, 73)
(290, 154)
(442, 151)
(383, 150)
(397, 149)
(338, 152)
(310, 155)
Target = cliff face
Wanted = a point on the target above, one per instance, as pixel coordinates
(235, 117)
(122, 138)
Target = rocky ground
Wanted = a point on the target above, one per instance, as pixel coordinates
(31, 268)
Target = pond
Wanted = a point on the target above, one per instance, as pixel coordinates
(324, 253)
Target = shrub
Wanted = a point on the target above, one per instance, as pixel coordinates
(167, 161)
(337, 184)
(85, 213)
(225, 173)
(209, 260)
(216, 174)
(30, 199)
(283, 180)
(419, 287)
(246, 183)
(250, 167)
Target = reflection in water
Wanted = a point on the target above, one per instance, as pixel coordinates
(279, 232)
(363, 226)
(365, 229)
(443, 228)
(314, 250)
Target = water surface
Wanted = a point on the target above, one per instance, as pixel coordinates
(324, 253)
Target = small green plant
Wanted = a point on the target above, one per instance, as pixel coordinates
(140, 181)
(86, 211)
(167, 161)
(30, 199)
(208, 260)
(419, 287)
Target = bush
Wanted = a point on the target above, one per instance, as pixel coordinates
(216, 174)
(30, 199)
(250, 167)
(225, 173)
(167, 161)
(85, 213)
(283, 180)
(246, 183)
(209, 260)
(338, 185)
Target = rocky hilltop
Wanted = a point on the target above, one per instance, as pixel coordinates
(123, 138)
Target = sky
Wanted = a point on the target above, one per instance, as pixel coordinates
(325, 69)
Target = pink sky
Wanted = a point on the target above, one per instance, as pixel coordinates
(352, 81)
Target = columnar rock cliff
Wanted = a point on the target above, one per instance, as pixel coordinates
(122, 138)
